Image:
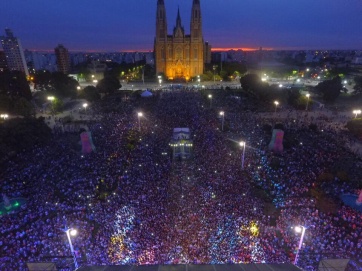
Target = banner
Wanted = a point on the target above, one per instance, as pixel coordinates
(276, 143)
(87, 142)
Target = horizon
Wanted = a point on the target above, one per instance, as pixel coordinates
(214, 50)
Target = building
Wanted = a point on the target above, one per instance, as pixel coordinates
(179, 56)
(3, 65)
(14, 52)
(97, 69)
(40, 61)
(63, 60)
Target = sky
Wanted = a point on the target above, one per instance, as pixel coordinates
(129, 25)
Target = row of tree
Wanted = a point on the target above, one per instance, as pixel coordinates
(20, 134)
(329, 90)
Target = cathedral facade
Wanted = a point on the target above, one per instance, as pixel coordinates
(179, 56)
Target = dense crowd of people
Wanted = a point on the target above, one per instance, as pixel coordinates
(132, 203)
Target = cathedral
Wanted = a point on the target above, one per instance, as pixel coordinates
(180, 56)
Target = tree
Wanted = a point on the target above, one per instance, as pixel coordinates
(90, 93)
(42, 80)
(355, 127)
(57, 84)
(250, 82)
(358, 84)
(23, 107)
(22, 133)
(330, 89)
(57, 105)
(233, 69)
(63, 85)
(15, 85)
(5, 103)
(293, 97)
(108, 85)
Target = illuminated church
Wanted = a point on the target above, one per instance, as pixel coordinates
(180, 56)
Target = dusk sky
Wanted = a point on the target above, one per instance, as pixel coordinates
(120, 25)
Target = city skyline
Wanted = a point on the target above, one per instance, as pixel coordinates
(130, 26)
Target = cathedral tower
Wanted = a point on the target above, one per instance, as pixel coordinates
(179, 56)
(197, 42)
(196, 21)
(161, 34)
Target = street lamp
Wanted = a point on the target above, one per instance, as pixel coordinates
(357, 112)
(85, 107)
(307, 95)
(214, 68)
(51, 99)
(198, 79)
(78, 87)
(139, 114)
(222, 114)
(276, 105)
(72, 232)
(299, 229)
(4, 116)
(210, 97)
(242, 144)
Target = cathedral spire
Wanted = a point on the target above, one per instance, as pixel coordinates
(178, 20)
(178, 31)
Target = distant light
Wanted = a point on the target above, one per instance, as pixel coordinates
(73, 232)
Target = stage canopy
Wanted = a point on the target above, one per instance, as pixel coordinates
(191, 267)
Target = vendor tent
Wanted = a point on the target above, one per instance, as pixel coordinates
(146, 94)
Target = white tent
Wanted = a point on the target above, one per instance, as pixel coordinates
(146, 94)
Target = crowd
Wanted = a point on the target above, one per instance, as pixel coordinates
(133, 204)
